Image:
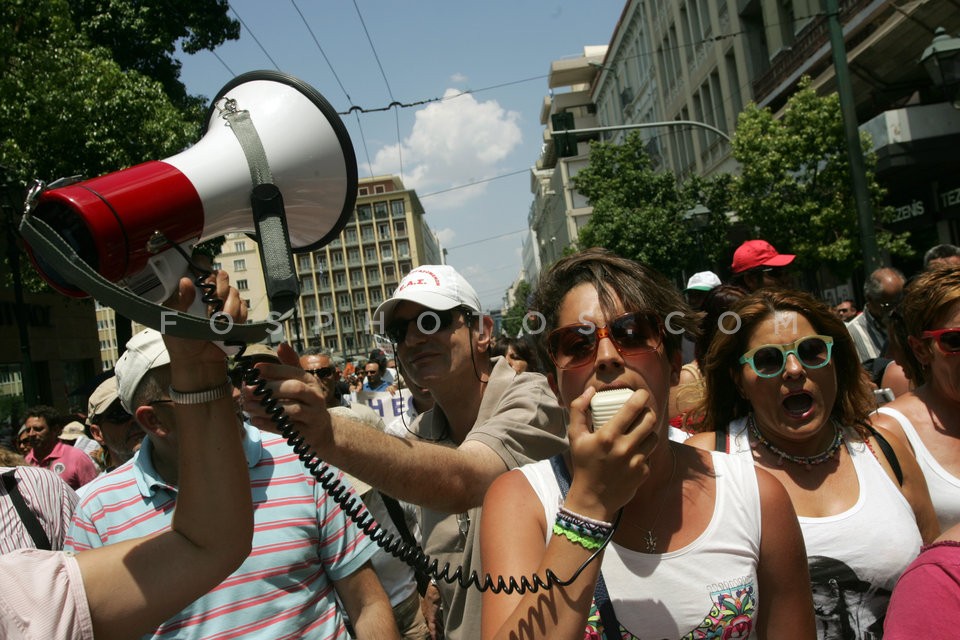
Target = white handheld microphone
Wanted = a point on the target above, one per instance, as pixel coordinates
(606, 403)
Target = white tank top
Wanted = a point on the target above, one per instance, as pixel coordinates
(944, 487)
(703, 590)
(855, 557)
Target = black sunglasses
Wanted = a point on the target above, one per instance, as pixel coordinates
(428, 322)
(116, 415)
(322, 372)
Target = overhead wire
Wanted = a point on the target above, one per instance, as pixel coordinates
(474, 183)
(316, 41)
(255, 39)
(396, 113)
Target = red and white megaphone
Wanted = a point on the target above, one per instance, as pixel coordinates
(268, 134)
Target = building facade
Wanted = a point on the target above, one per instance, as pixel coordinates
(700, 62)
(342, 284)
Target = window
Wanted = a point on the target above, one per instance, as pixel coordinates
(326, 302)
(303, 262)
(239, 265)
(350, 235)
(380, 210)
(386, 251)
(343, 300)
(339, 279)
(306, 284)
(366, 233)
(403, 248)
(364, 191)
(364, 212)
(356, 278)
(216, 267)
(309, 305)
(376, 296)
(240, 246)
(383, 229)
(321, 261)
(400, 226)
(397, 207)
(242, 285)
(353, 256)
(360, 298)
(337, 258)
(370, 254)
(379, 189)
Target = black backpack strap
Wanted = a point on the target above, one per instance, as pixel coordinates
(400, 522)
(608, 617)
(721, 440)
(888, 453)
(29, 518)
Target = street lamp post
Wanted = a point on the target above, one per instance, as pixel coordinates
(858, 171)
(942, 63)
(699, 219)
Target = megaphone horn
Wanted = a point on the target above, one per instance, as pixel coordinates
(112, 222)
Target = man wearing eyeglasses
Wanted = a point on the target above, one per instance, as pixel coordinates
(487, 419)
(111, 426)
(882, 291)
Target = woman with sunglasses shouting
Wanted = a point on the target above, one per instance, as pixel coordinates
(700, 545)
(928, 418)
(784, 390)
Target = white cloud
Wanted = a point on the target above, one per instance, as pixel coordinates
(446, 235)
(454, 142)
(458, 78)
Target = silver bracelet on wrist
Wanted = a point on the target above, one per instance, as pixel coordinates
(201, 397)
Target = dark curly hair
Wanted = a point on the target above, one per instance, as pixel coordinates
(722, 401)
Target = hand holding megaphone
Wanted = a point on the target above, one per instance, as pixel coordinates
(275, 162)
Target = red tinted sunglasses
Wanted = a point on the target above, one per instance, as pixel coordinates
(575, 345)
(947, 339)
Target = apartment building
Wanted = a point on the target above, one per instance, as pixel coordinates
(342, 284)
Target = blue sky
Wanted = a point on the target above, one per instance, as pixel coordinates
(500, 51)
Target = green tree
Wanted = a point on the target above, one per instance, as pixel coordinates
(639, 213)
(68, 108)
(513, 320)
(143, 36)
(795, 190)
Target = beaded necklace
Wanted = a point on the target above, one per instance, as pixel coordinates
(807, 461)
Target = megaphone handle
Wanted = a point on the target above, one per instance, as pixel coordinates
(273, 239)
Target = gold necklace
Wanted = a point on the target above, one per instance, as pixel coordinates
(650, 539)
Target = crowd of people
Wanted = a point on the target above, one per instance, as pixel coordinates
(730, 459)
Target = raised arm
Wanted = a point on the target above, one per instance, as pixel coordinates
(133, 586)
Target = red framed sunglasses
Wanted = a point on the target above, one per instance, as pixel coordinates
(947, 339)
(575, 345)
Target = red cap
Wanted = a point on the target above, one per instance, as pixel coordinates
(758, 253)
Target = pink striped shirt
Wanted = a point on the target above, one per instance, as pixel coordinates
(47, 496)
(302, 542)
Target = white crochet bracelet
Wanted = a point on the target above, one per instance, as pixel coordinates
(202, 397)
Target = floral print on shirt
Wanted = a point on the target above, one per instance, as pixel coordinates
(731, 616)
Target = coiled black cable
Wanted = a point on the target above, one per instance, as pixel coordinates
(354, 508)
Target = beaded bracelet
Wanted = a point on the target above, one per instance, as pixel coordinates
(583, 520)
(583, 527)
(588, 542)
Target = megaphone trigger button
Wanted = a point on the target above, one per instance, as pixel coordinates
(157, 242)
